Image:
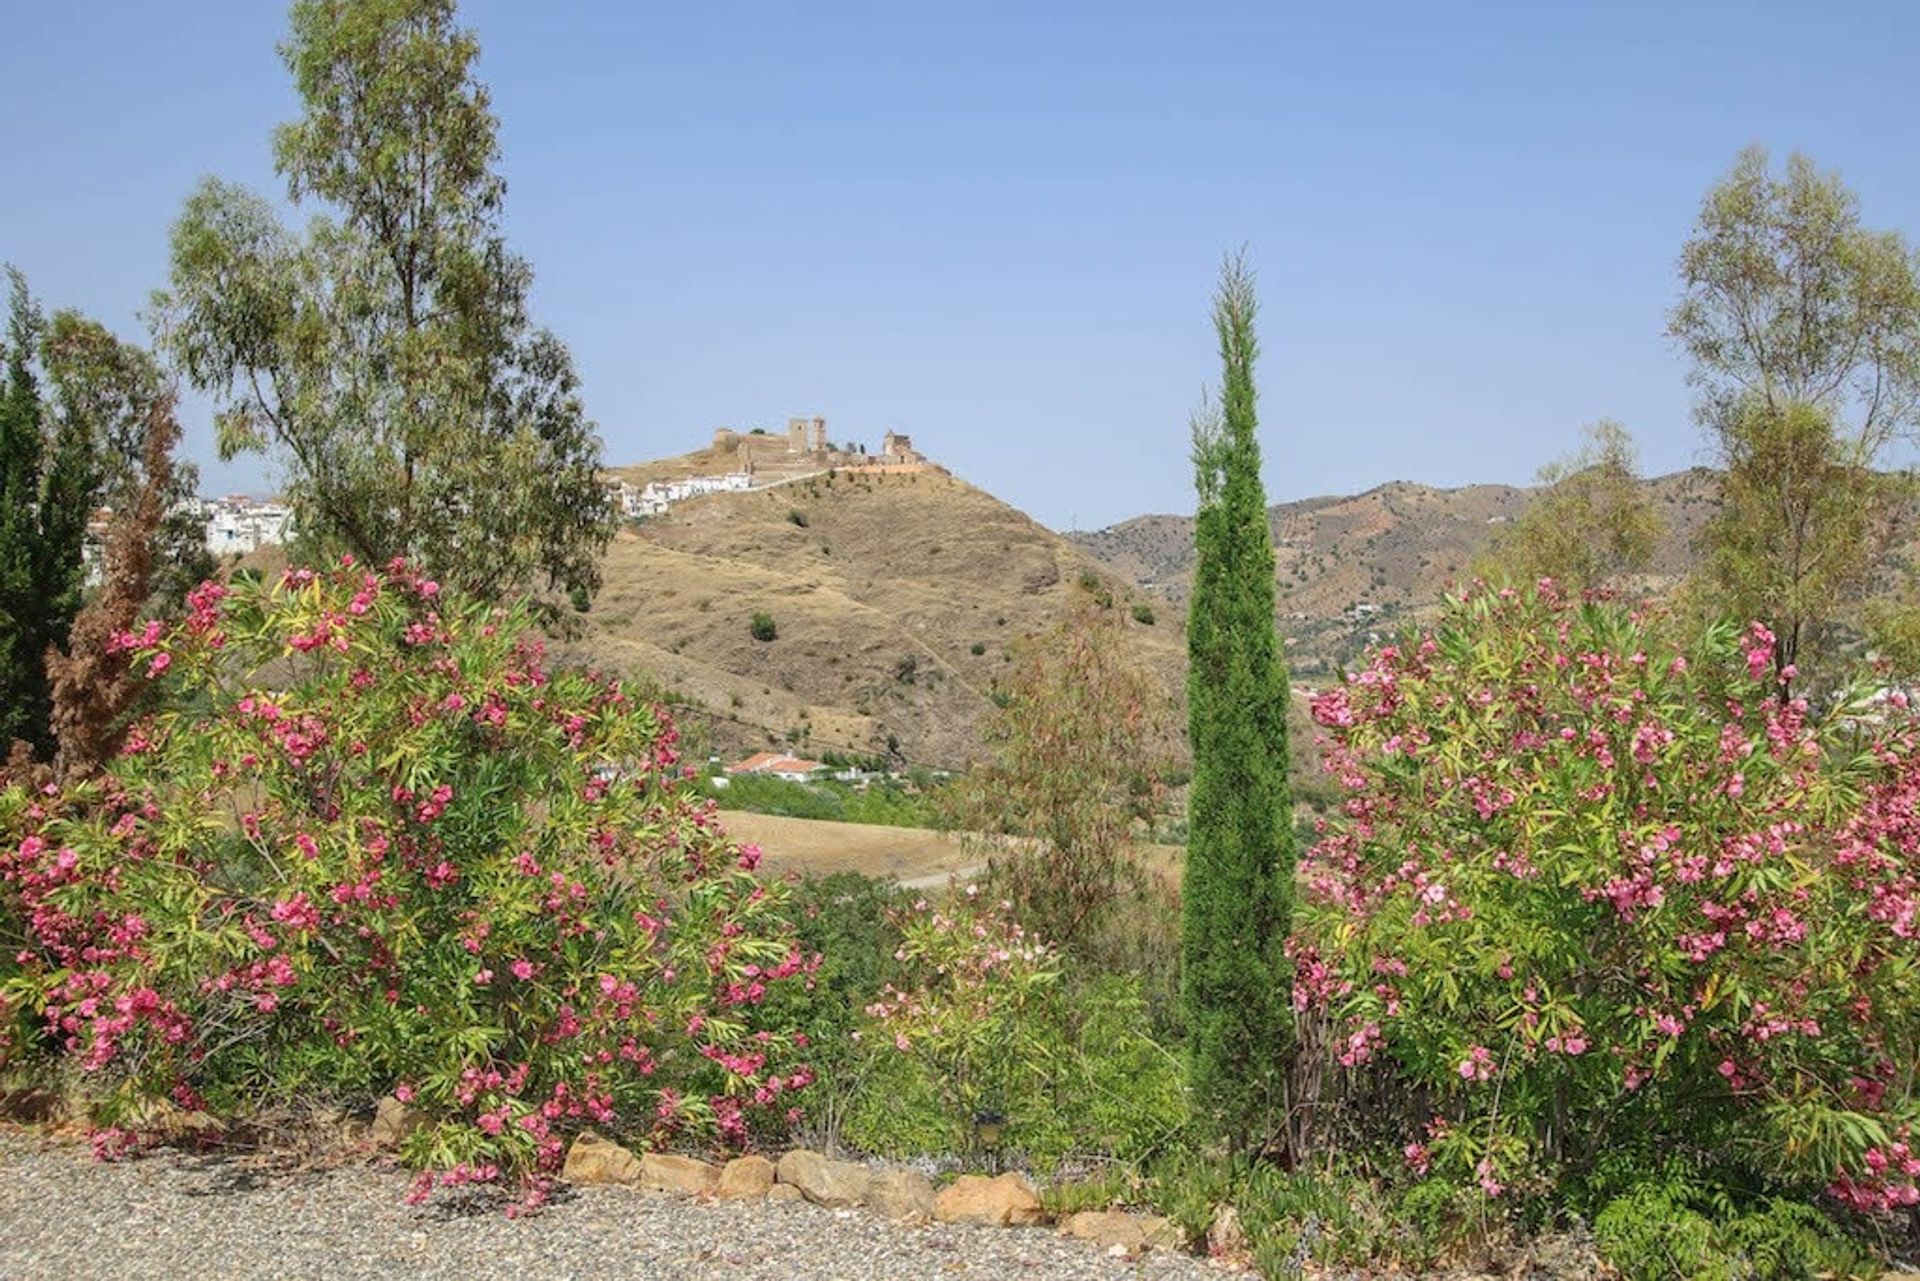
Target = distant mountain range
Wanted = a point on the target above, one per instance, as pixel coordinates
(1346, 568)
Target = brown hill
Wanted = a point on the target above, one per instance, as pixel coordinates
(882, 587)
(1347, 569)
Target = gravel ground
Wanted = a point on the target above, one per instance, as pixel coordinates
(64, 1215)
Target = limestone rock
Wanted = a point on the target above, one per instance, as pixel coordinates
(394, 1122)
(593, 1159)
(746, 1178)
(784, 1192)
(1116, 1229)
(834, 1184)
(1006, 1201)
(689, 1176)
(905, 1196)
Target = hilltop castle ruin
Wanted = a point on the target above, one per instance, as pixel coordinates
(760, 459)
(804, 446)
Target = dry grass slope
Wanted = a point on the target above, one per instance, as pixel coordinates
(880, 599)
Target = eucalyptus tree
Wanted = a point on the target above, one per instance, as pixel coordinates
(385, 355)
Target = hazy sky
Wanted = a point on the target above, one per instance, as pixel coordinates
(995, 226)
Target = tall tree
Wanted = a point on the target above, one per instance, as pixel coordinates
(387, 357)
(1788, 297)
(1803, 326)
(106, 394)
(1590, 526)
(1237, 889)
(1803, 519)
(1076, 744)
(24, 598)
(84, 442)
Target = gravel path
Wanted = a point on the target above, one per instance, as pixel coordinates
(64, 1215)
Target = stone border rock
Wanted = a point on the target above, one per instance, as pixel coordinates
(894, 1193)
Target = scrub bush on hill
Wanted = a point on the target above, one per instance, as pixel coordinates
(1589, 894)
(375, 845)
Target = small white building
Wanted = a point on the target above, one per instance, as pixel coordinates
(656, 496)
(238, 525)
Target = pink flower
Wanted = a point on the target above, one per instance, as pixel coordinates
(1478, 1065)
(159, 665)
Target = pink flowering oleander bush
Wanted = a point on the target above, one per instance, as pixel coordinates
(373, 844)
(1589, 895)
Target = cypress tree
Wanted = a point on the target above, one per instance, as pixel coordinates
(1237, 889)
(50, 478)
(23, 615)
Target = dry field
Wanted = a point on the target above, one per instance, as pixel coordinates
(818, 847)
(913, 856)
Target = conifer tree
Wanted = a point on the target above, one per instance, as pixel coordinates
(1237, 889)
(82, 442)
(23, 679)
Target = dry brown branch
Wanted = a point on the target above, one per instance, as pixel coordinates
(94, 689)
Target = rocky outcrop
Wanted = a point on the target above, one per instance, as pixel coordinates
(833, 1184)
(1006, 1201)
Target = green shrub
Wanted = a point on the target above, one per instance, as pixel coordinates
(762, 628)
(1143, 614)
(980, 1020)
(797, 517)
(1668, 1231)
(977, 648)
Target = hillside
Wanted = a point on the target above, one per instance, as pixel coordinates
(1354, 567)
(881, 587)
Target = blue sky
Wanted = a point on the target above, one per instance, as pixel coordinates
(995, 226)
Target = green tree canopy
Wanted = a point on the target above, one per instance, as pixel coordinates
(1786, 296)
(1803, 326)
(1078, 751)
(1591, 526)
(386, 356)
(1802, 520)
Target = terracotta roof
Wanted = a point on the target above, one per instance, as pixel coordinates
(774, 763)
